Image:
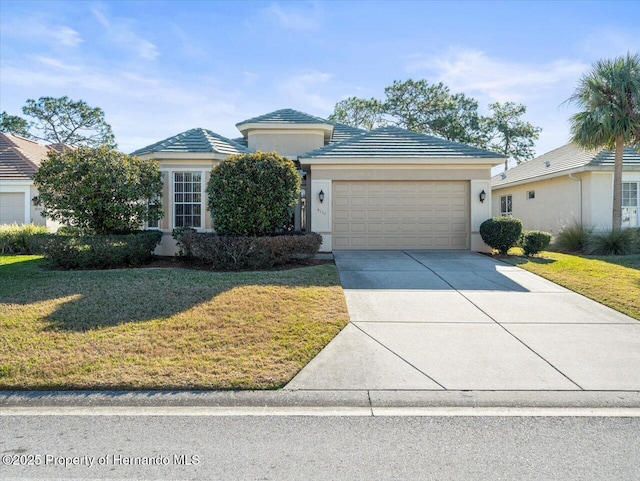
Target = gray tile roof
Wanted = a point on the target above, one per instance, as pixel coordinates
(19, 157)
(287, 116)
(195, 140)
(393, 142)
(242, 141)
(565, 158)
(343, 132)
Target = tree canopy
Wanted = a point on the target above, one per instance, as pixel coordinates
(60, 120)
(608, 97)
(433, 109)
(509, 134)
(12, 124)
(99, 190)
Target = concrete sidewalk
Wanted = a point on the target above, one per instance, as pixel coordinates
(457, 320)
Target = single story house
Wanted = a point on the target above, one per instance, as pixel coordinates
(387, 188)
(567, 185)
(19, 160)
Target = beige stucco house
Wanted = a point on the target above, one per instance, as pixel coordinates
(568, 185)
(387, 188)
(19, 160)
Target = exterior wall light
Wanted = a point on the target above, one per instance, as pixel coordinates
(483, 196)
(36, 200)
(321, 196)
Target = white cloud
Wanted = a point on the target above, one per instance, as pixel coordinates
(121, 31)
(474, 72)
(296, 16)
(305, 89)
(41, 29)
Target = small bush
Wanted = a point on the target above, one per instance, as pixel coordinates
(240, 252)
(97, 251)
(612, 243)
(501, 233)
(534, 241)
(573, 238)
(14, 238)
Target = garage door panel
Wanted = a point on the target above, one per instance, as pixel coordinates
(400, 215)
(12, 208)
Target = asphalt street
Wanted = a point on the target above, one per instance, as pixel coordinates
(319, 447)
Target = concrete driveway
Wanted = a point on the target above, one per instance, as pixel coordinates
(458, 320)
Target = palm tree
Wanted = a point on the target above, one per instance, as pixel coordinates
(609, 99)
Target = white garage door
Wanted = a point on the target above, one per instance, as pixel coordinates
(400, 215)
(11, 208)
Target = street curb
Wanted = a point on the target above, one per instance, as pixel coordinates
(329, 399)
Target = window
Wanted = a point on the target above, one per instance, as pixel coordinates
(187, 199)
(531, 194)
(506, 206)
(630, 204)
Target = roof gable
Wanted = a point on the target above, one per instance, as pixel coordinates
(195, 140)
(394, 142)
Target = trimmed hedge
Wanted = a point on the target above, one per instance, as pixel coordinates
(97, 251)
(534, 241)
(501, 233)
(253, 194)
(242, 252)
(14, 238)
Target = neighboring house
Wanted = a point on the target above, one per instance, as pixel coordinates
(19, 160)
(568, 185)
(387, 188)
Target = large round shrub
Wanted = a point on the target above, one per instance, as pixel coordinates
(253, 194)
(100, 190)
(501, 233)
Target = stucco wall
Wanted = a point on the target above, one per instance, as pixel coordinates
(289, 144)
(556, 202)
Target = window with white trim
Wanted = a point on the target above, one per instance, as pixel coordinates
(531, 194)
(506, 206)
(630, 204)
(187, 199)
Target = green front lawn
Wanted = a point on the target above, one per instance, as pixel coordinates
(162, 328)
(611, 280)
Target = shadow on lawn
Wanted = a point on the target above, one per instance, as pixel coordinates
(84, 300)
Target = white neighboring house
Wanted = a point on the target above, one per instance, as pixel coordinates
(568, 185)
(19, 160)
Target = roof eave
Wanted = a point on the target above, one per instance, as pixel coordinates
(400, 160)
(167, 155)
(539, 178)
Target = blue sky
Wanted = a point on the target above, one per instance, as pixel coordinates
(159, 68)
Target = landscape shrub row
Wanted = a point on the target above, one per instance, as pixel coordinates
(14, 238)
(96, 251)
(244, 252)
